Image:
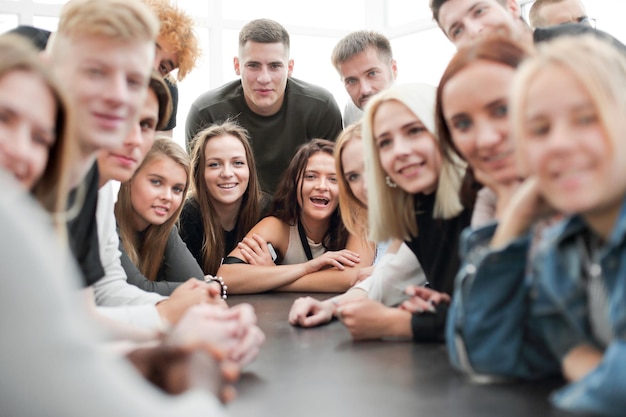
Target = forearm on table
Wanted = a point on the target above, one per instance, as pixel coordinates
(250, 279)
(329, 280)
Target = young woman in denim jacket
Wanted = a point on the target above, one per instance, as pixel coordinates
(564, 312)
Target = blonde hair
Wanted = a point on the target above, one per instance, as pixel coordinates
(115, 19)
(213, 245)
(391, 211)
(177, 30)
(353, 211)
(148, 255)
(594, 62)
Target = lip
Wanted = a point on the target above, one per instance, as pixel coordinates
(108, 121)
(320, 204)
(161, 211)
(412, 169)
(124, 161)
(264, 91)
(228, 186)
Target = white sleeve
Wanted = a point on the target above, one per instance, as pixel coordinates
(125, 302)
(392, 274)
(51, 363)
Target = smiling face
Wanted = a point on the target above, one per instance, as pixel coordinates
(354, 169)
(226, 171)
(365, 74)
(156, 192)
(264, 69)
(120, 164)
(106, 81)
(566, 147)
(408, 152)
(465, 20)
(317, 189)
(27, 123)
(475, 105)
(165, 58)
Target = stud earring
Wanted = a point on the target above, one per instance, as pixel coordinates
(390, 182)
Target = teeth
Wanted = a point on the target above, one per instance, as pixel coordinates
(227, 186)
(499, 156)
(318, 200)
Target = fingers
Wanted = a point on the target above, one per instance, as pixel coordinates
(301, 308)
(418, 305)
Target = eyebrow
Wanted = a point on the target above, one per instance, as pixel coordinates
(468, 11)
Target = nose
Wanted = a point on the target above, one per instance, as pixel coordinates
(401, 147)
(488, 134)
(116, 89)
(134, 139)
(473, 29)
(561, 136)
(366, 88)
(166, 194)
(227, 171)
(322, 183)
(264, 76)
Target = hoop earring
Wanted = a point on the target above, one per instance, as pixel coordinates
(390, 182)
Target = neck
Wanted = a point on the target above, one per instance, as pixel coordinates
(227, 213)
(602, 222)
(315, 229)
(80, 168)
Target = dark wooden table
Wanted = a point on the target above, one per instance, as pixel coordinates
(321, 372)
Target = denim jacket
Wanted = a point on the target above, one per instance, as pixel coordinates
(508, 319)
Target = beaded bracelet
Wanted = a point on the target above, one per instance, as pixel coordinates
(219, 280)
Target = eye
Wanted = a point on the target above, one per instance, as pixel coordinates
(309, 176)
(135, 83)
(456, 32)
(239, 163)
(479, 11)
(94, 71)
(349, 81)
(252, 65)
(383, 143)
(538, 129)
(178, 189)
(147, 125)
(212, 165)
(353, 177)
(500, 111)
(417, 130)
(155, 181)
(276, 66)
(373, 73)
(332, 179)
(586, 119)
(42, 139)
(5, 115)
(163, 70)
(462, 124)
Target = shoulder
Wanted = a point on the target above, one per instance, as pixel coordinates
(304, 89)
(213, 98)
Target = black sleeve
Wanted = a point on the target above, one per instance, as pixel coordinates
(430, 327)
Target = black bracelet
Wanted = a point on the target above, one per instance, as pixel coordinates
(219, 280)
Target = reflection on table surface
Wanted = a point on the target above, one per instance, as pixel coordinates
(321, 372)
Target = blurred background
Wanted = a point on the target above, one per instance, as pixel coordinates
(419, 47)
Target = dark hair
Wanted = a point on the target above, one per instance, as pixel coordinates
(38, 37)
(435, 6)
(263, 31)
(286, 207)
(164, 98)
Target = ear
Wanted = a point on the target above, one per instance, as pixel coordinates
(394, 69)
(236, 65)
(289, 67)
(514, 7)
